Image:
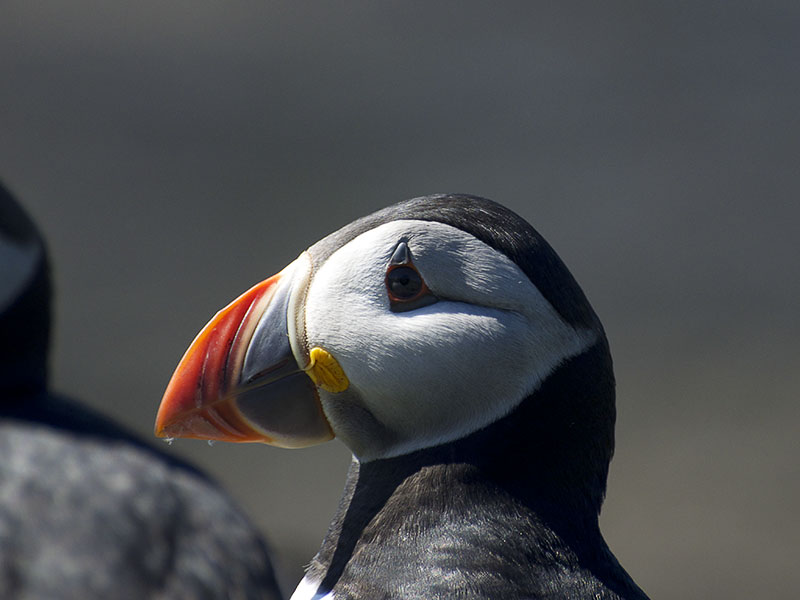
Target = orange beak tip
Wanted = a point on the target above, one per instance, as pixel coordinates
(216, 394)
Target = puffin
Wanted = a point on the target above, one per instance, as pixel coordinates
(89, 510)
(445, 343)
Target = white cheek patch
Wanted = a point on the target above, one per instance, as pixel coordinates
(17, 266)
(438, 373)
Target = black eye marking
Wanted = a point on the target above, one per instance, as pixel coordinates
(404, 285)
(401, 255)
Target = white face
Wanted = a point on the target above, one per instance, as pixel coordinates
(436, 373)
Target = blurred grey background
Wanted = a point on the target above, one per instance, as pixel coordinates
(175, 153)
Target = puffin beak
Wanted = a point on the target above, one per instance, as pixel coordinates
(239, 380)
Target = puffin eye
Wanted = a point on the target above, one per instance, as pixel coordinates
(404, 285)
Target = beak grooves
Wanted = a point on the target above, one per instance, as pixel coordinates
(240, 380)
(197, 401)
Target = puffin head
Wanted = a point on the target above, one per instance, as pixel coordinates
(25, 291)
(415, 326)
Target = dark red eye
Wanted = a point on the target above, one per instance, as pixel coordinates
(404, 283)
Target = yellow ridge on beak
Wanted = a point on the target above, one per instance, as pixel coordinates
(326, 372)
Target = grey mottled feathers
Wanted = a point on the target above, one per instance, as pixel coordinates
(87, 510)
(84, 517)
